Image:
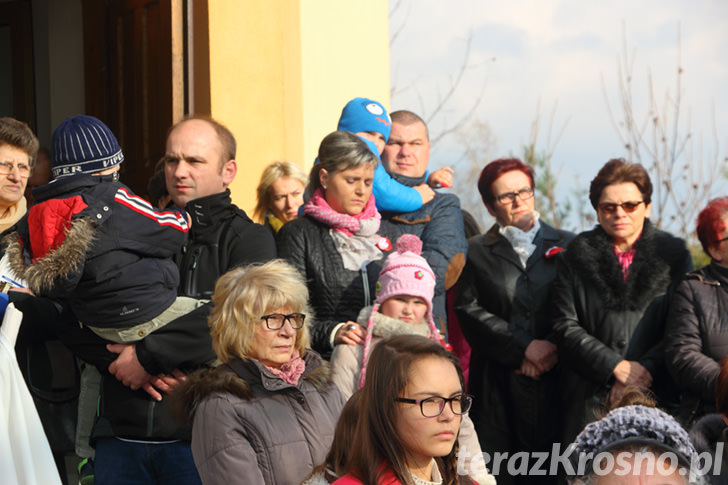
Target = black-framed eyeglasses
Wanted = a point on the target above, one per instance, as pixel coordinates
(509, 197)
(628, 207)
(721, 240)
(275, 321)
(6, 168)
(433, 406)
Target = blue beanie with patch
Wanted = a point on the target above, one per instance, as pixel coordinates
(363, 114)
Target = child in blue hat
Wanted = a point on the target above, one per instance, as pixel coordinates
(369, 120)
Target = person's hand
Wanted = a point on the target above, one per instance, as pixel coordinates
(351, 333)
(20, 289)
(529, 369)
(629, 372)
(165, 383)
(426, 192)
(126, 368)
(543, 354)
(615, 394)
(441, 178)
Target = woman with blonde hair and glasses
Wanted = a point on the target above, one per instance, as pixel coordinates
(268, 413)
(611, 296)
(279, 194)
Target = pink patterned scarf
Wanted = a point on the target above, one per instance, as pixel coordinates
(319, 209)
(625, 260)
(292, 370)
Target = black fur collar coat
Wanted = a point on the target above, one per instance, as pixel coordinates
(600, 318)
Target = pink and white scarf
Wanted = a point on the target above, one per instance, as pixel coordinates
(355, 237)
(292, 370)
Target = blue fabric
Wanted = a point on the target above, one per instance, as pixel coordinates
(120, 462)
(392, 196)
(3, 304)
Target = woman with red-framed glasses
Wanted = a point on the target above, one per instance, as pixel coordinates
(611, 297)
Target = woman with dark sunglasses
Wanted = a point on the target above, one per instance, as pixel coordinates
(411, 407)
(611, 297)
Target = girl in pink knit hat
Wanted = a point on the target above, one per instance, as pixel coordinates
(403, 306)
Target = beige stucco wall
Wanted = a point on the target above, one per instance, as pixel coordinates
(281, 70)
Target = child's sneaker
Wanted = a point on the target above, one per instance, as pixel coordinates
(86, 472)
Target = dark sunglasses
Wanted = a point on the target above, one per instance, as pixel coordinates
(628, 207)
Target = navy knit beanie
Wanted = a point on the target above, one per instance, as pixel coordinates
(362, 114)
(83, 144)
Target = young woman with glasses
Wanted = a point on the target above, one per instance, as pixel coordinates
(268, 413)
(611, 297)
(411, 406)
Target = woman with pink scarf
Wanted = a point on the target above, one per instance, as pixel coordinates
(338, 244)
(267, 414)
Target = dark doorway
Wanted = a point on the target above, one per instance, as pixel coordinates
(129, 77)
(17, 82)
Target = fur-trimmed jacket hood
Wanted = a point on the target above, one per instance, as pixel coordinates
(240, 378)
(90, 242)
(249, 424)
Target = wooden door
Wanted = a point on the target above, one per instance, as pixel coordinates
(130, 76)
(17, 82)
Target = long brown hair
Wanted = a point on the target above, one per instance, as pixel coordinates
(376, 441)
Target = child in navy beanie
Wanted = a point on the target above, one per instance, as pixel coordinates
(98, 249)
(94, 245)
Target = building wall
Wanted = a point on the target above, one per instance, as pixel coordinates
(281, 70)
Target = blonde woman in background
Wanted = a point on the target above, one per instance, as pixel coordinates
(279, 194)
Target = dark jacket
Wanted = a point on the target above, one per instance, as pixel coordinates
(697, 338)
(501, 307)
(92, 243)
(336, 294)
(705, 436)
(600, 319)
(252, 426)
(222, 237)
(439, 224)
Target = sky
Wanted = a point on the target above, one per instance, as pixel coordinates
(557, 61)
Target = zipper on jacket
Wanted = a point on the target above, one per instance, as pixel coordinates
(190, 288)
(365, 281)
(150, 417)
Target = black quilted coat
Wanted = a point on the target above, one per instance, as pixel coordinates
(336, 293)
(697, 338)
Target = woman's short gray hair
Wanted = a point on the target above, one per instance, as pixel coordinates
(340, 151)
